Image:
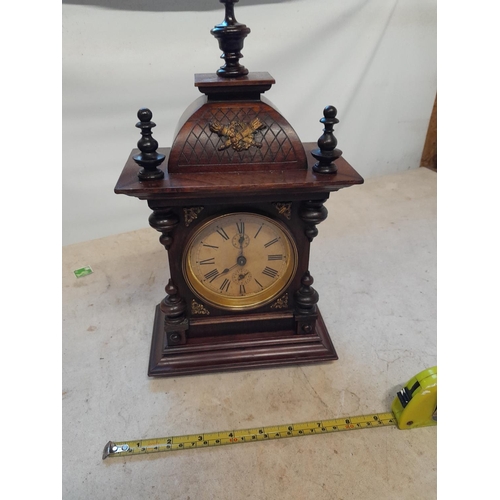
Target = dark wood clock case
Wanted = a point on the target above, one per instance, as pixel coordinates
(234, 152)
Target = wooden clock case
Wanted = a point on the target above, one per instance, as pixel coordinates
(234, 152)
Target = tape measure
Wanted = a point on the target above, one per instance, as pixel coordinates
(414, 406)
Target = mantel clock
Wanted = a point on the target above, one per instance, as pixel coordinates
(237, 200)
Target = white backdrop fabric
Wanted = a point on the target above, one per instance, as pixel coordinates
(374, 60)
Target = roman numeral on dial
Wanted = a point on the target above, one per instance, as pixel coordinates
(225, 285)
(207, 261)
(269, 271)
(241, 227)
(212, 275)
(275, 257)
(223, 233)
(272, 242)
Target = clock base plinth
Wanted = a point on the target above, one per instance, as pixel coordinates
(237, 352)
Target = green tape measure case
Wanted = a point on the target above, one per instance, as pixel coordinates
(416, 404)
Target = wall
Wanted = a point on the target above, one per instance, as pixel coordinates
(375, 60)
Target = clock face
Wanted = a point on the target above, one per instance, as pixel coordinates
(240, 261)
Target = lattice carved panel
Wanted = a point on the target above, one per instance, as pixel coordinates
(275, 143)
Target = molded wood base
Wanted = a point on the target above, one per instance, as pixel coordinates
(237, 352)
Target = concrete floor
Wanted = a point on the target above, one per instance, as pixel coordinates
(374, 264)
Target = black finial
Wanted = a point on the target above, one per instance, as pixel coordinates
(306, 297)
(327, 154)
(148, 159)
(173, 306)
(230, 34)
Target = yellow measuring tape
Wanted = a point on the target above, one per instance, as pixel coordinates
(414, 406)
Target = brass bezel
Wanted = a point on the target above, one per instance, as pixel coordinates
(241, 303)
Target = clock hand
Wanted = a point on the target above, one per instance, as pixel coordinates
(241, 241)
(240, 261)
(228, 269)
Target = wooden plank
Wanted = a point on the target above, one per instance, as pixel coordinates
(429, 154)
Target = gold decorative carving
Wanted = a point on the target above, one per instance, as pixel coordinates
(238, 135)
(284, 209)
(199, 308)
(190, 214)
(281, 303)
